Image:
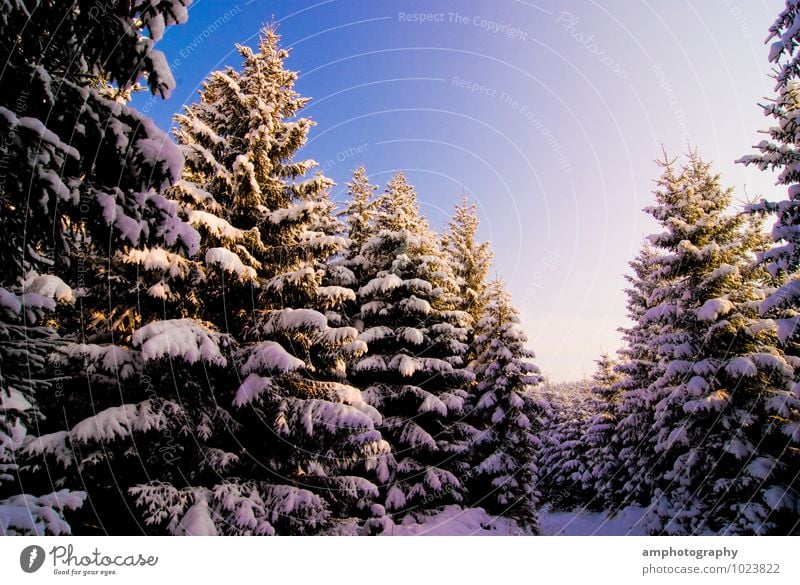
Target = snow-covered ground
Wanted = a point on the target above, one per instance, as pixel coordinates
(457, 521)
(580, 522)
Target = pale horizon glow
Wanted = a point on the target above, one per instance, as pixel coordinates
(548, 114)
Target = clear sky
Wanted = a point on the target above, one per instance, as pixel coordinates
(548, 114)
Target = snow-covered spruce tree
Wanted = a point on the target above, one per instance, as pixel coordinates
(359, 213)
(469, 259)
(725, 419)
(349, 268)
(779, 152)
(82, 172)
(600, 439)
(413, 372)
(504, 470)
(306, 454)
(631, 480)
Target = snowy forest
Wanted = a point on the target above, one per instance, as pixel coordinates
(195, 339)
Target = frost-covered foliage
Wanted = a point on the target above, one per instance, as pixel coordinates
(290, 428)
(631, 481)
(23, 355)
(580, 461)
(78, 163)
(504, 471)
(236, 508)
(721, 403)
(600, 438)
(469, 259)
(778, 152)
(697, 420)
(82, 173)
(414, 371)
(358, 215)
(261, 217)
(567, 408)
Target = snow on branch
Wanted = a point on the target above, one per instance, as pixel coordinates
(185, 339)
(269, 356)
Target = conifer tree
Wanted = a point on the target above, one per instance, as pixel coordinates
(631, 481)
(504, 472)
(84, 173)
(350, 268)
(777, 152)
(469, 259)
(307, 442)
(722, 406)
(414, 371)
(359, 211)
(602, 447)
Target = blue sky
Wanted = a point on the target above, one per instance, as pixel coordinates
(548, 114)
